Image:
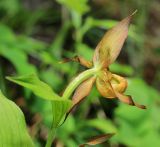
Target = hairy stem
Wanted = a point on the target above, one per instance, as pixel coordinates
(79, 79)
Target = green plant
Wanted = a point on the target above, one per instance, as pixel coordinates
(109, 85)
(13, 131)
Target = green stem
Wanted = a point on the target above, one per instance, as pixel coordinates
(79, 79)
(51, 137)
(68, 92)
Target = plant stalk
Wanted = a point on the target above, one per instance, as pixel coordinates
(51, 137)
(68, 92)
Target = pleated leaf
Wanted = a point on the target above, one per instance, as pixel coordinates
(13, 131)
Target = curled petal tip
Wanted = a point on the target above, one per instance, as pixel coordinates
(128, 100)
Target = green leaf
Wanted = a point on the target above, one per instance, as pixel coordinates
(38, 87)
(84, 51)
(8, 35)
(59, 109)
(57, 45)
(20, 62)
(60, 106)
(48, 59)
(19, 46)
(13, 131)
(11, 7)
(104, 125)
(80, 6)
(121, 68)
(29, 45)
(52, 77)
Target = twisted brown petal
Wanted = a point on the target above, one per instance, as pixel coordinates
(126, 99)
(80, 60)
(110, 46)
(112, 86)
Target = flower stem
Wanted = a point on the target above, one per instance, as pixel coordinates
(50, 137)
(79, 79)
(67, 93)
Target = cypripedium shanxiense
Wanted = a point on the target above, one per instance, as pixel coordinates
(108, 84)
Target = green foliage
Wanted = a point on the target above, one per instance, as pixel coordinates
(59, 109)
(10, 7)
(12, 46)
(13, 131)
(60, 106)
(81, 7)
(104, 125)
(122, 69)
(68, 28)
(138, 126)
(38, 87)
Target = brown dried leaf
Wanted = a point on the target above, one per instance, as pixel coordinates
(97, 140)
(80, 60)
(110, 46)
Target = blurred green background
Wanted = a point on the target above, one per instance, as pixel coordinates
(36, 34)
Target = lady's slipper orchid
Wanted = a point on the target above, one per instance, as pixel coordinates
(108, 84)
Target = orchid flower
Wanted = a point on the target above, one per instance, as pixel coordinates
(109, 85)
